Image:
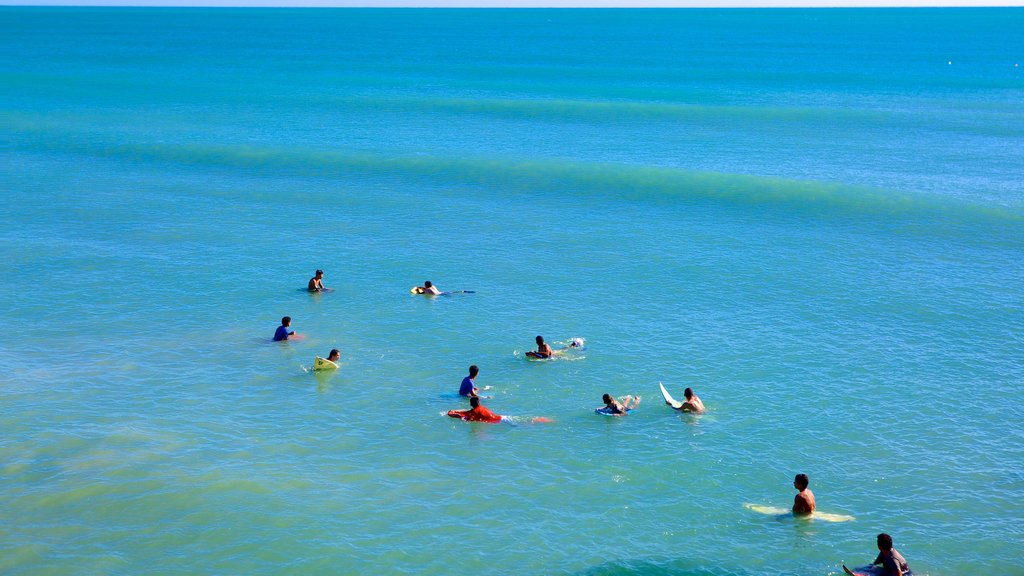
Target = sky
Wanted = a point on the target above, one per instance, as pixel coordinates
(524, 3)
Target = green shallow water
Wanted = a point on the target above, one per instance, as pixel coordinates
(808, 216)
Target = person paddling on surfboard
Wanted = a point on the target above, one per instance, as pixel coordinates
(803, 503)
(476, 413)
(893, 563)
(427, 288)
(316, 283)
(283, 331)
(616, 408)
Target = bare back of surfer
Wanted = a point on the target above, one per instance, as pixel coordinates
(543, 350)
(803, 503)
(428, 288)
(693, 403)
(316, 283)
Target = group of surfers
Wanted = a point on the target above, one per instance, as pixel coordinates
(889, 560)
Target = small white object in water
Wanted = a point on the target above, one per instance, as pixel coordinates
(576, 343)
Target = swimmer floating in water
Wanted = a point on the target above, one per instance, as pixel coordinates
(427, 288)
(615, 407)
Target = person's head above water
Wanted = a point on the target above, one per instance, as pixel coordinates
(801, 481)
(540, 340)
(334, 355)
(286, 321)
(474, 401)
(688, 393)
(884, 542)
(427, 284)
(607, 399)
(473, 371)
(319, 274)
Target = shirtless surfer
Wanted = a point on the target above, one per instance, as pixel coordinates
(316, 283)
(543, 350)
(803, 503)
(427, 288)
(893, 563)
(692, 404)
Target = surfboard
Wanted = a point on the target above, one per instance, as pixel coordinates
(777, 511)
(535, 356)
(324, 364)
(608, 412)
(668, 397)
(865, 571)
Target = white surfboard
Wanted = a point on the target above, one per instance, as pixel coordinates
(776, 511)
(324, 364)
(668, 397)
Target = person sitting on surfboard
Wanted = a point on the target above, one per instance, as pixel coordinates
(803, 503)
(427, 288)
(693, 403)
(893, 563)
(468, 388)
(476, 413)
(283, 333)
(316, 283)
(543, 350)
(616, 408)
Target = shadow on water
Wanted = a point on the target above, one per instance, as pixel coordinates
(670, 567)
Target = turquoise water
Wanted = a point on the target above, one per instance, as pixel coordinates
(815, 218)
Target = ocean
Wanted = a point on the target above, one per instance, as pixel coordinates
(813, 217)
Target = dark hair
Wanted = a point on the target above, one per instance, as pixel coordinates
(688, 393)
(286, 320)
(802, 480)
(606, 398)
(474, 401)
(540, 339)
(319, 273)
(427, 284)
(473, 371)
(334, 351)
(884, 541)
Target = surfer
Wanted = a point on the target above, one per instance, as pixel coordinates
(543, 350)
(616, 408)
(334, 356)
(893, 563)
(803, 503)
(468, 388)
(692, 404)
(283, 333)
(427, 288)
(476, 413)
(316, 283)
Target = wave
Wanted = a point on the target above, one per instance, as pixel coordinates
(618, 180)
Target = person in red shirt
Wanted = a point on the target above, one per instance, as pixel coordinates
(476, 413)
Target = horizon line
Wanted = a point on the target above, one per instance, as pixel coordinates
(512, 4)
